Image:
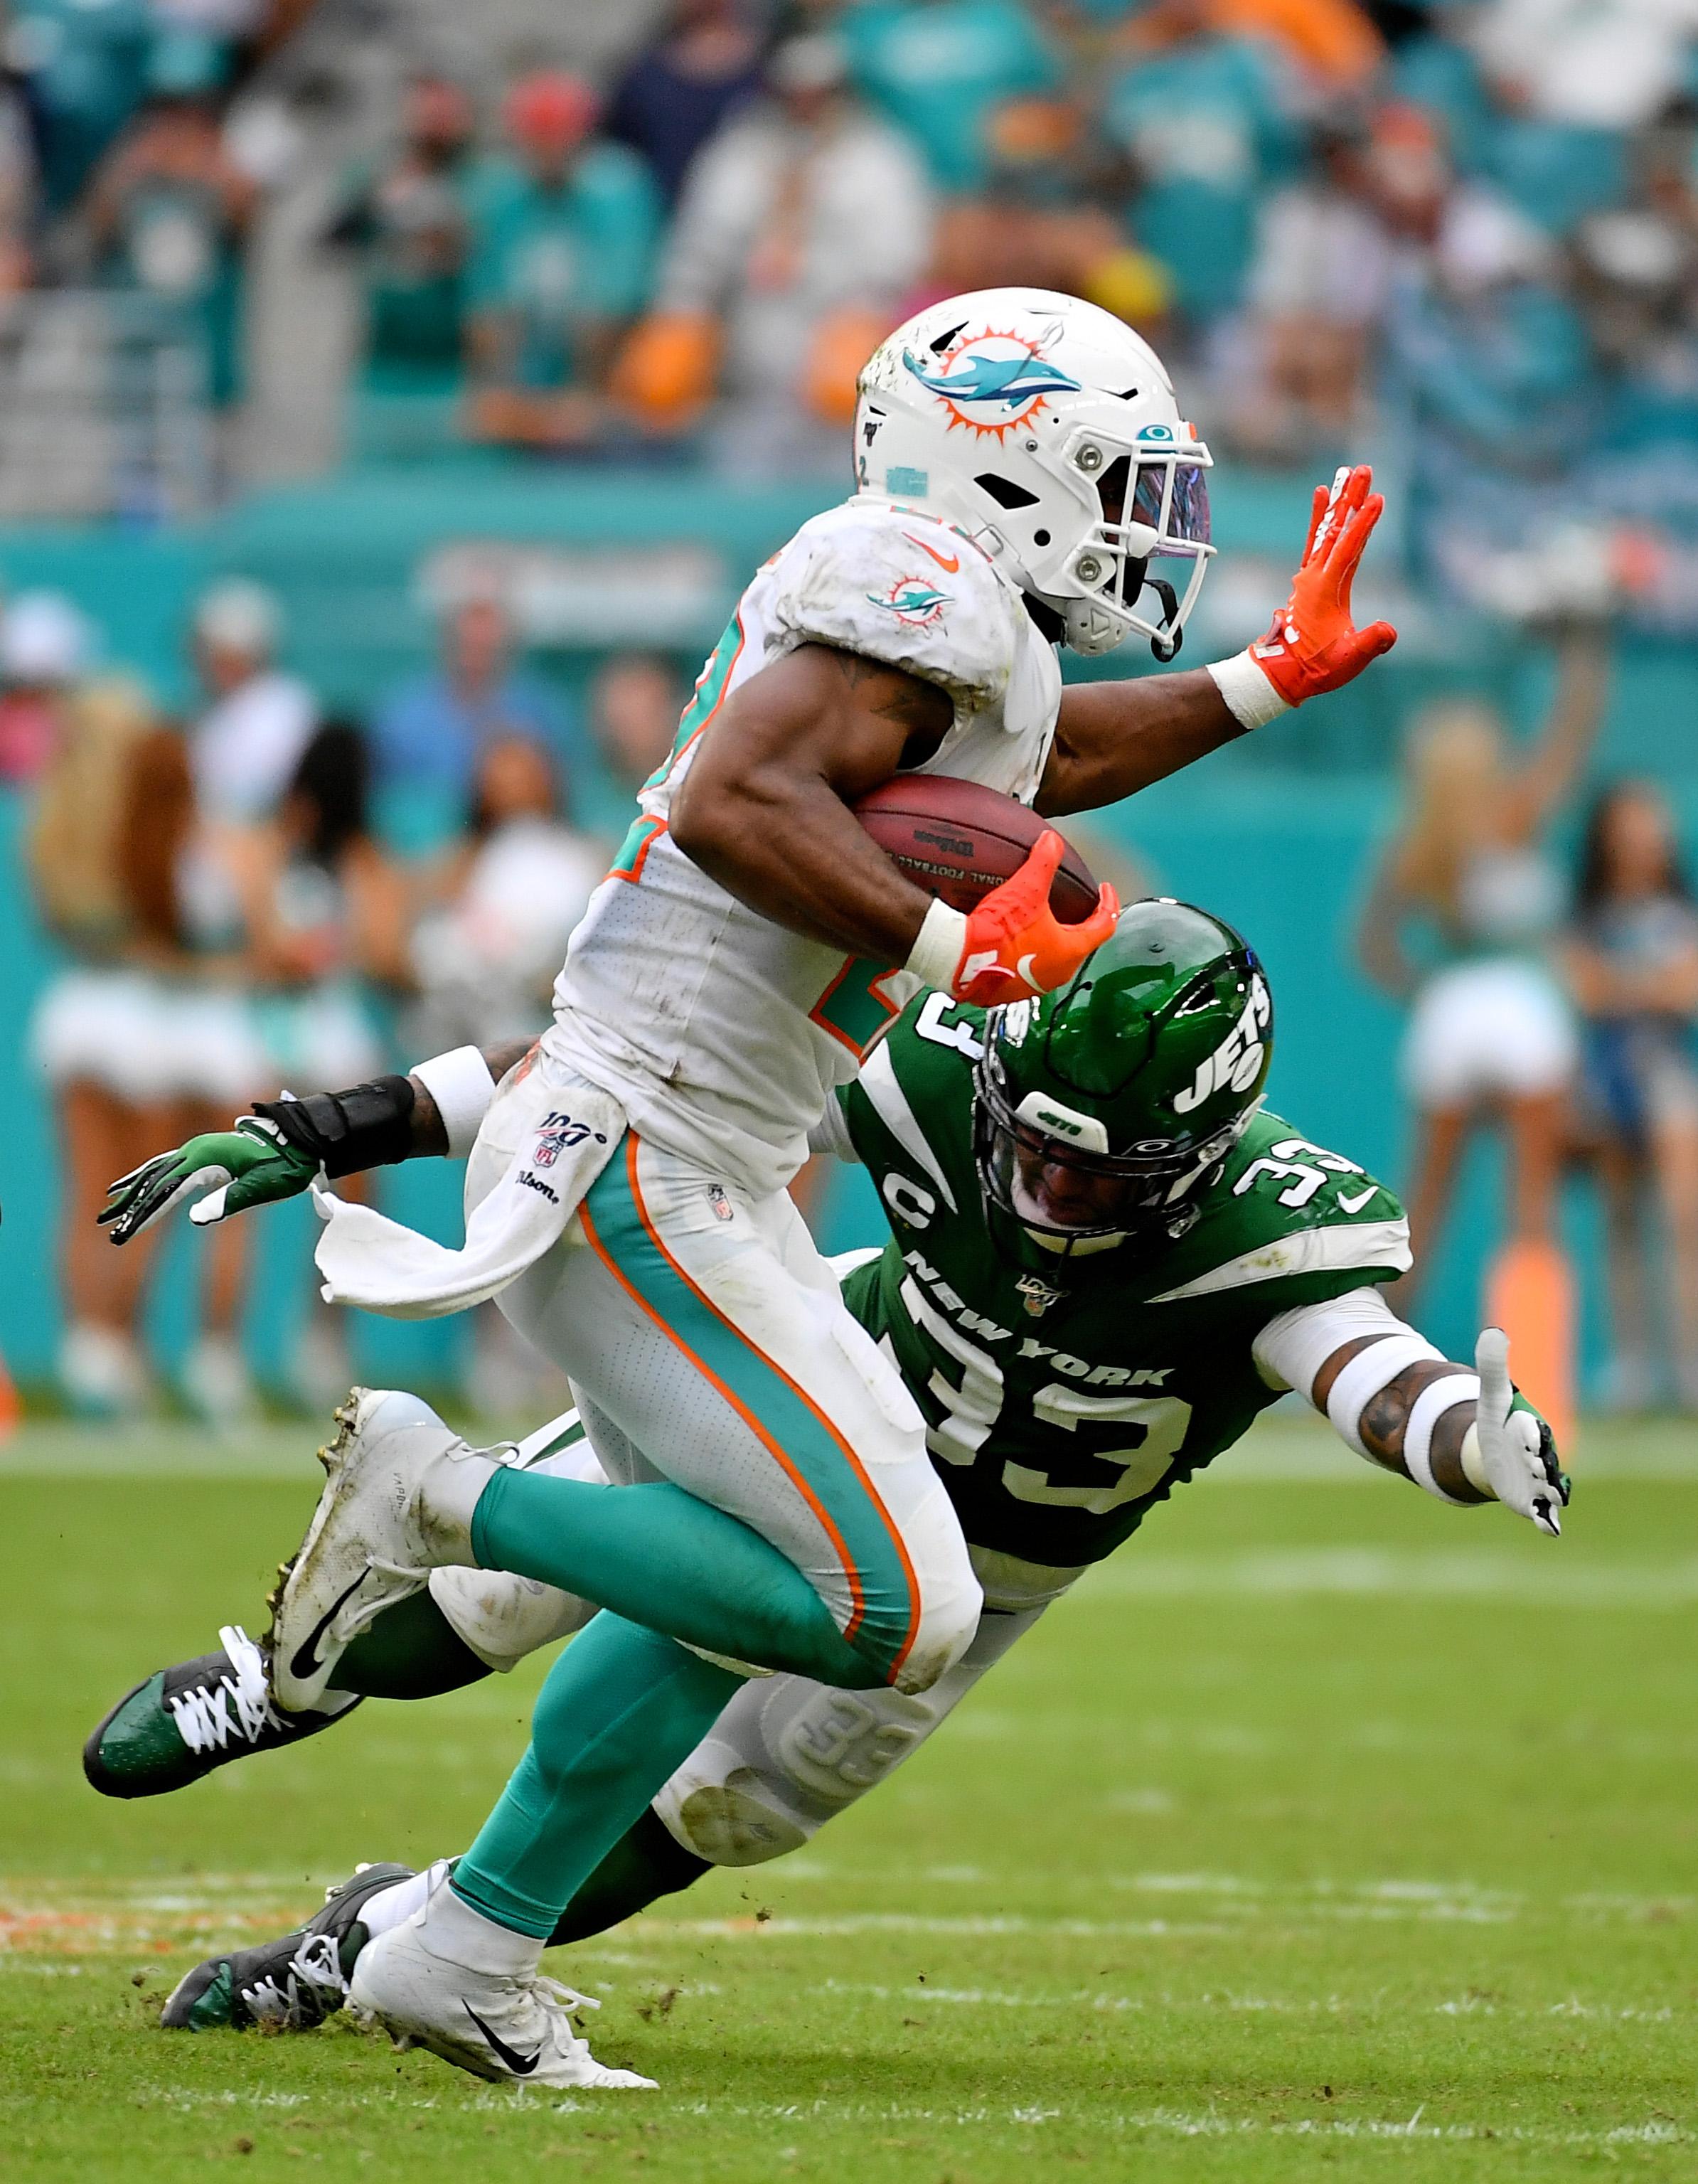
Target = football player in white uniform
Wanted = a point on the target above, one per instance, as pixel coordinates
(1025, 478)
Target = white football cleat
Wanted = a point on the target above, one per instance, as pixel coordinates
(398, 1504)
(516, 2029)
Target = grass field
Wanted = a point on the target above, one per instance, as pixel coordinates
(1326, 1831)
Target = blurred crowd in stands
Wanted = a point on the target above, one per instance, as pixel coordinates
(1467, 227)
(1466, 230)
(1460, 236)
(231, 922)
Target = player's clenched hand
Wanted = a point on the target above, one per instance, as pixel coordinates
(226, 1171)
(1014, 946)
(1314, 645)
(1516, 1452)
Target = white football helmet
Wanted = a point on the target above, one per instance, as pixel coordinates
(1048, 432)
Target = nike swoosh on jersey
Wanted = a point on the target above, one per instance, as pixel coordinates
(520, 2065)
(306, 1657)
(949, 563)
(1354, 1204)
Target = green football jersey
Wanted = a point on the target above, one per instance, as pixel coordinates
(1056, 1416)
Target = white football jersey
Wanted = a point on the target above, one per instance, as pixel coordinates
(722, 1033)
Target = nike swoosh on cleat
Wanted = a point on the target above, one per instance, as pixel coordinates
(520, 2065)
(949, 564)
(305, 1661)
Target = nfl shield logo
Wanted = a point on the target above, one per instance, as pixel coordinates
(1036, 1296)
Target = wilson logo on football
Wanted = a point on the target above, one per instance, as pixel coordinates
(992, 382)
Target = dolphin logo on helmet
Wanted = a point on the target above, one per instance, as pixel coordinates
(1011, 380)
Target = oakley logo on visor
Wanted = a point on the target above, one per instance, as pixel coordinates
(1087, 1132)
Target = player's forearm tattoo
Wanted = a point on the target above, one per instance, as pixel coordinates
(1385, 1418)
(429, 1137)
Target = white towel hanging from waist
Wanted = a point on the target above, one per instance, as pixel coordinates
(552, 1132)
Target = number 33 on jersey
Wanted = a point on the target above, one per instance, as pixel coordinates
(1061, 1401)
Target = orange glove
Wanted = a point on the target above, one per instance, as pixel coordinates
(1012, 946)
(1313, 645)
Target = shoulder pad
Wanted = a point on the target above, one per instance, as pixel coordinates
(1287, 1208)
(905, 588)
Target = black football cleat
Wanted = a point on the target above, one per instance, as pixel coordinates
(180, 1724)
(290, 1985)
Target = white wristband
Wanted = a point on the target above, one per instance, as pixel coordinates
(462, 1087)
(939, 947)
(1436, 1397)
(1250, 698)
(1363, 1377)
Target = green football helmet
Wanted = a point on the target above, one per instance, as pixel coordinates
(1102, 1111)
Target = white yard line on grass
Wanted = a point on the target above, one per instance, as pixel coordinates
(1656, 2130)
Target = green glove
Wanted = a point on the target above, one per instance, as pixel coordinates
(226, 1171)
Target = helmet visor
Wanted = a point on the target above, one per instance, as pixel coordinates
(1155, 515)
(1172, 498)
(1063, 1190)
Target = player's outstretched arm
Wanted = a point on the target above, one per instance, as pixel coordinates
(765, 809)
(1114, 738)
(1465, 1436)
(275, 1152)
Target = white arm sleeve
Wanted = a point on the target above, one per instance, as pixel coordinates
(1291, 1350)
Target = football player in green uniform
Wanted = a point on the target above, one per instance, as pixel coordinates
(1105, 1258)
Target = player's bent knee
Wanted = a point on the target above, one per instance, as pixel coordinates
(736, 1822)
(947, 1625)
(503, 1617)
(786, 1757)
(945, 1592)
(907, 1643)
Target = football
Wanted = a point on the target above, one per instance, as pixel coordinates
(958, 840)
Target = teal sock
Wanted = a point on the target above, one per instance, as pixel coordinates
(411, 1651)
(661, 1558)
(646, 1862)
(620, 1710)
